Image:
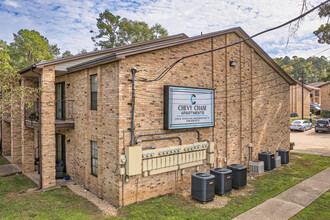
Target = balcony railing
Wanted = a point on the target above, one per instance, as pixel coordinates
(63, 111)
(32, 113)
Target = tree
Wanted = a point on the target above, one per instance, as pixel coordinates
(326, 76)
(29, 47)
(322, 33)
(67, 53)
(82, 51)
(54, 50)
(11, 90)
(315, 68)
(114, 31)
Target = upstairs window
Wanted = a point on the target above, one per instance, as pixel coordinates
(93, 92)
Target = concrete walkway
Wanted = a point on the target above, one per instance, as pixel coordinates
(291, 201)
(9, 169)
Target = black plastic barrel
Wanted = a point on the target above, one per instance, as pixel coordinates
(284, 156)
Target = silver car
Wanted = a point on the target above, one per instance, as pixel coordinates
(300, 125)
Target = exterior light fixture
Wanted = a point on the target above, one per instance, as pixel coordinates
(232, 63)
(68, 85)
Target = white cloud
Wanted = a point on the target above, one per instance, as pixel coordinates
(10, 3)
(68, 22)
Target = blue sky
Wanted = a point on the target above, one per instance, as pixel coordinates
(67, 22)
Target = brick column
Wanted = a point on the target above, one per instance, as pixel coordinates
(16, 133)
(27, 133)
(48, 127)
(6, 146)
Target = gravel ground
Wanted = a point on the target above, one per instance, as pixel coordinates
(103, 205)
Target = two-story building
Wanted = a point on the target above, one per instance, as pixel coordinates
(320, 94)
(300, 99)
(129, 131)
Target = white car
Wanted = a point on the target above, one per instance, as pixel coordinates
(300, 125)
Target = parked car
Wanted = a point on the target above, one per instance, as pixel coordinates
(300, 125)
(315, 106)
(294, 115)
(322, 125)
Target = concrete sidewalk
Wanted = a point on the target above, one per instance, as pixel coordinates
(291, 201)
(9, 169)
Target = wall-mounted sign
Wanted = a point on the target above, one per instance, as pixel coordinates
(186, 107)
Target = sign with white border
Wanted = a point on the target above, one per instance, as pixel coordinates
(188, 107)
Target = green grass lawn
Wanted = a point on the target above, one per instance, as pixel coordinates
(19, 200)
(319, 209)
(266, 186)
(3, 160)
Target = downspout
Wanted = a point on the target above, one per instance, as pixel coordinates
(39, 131)
(133, 70)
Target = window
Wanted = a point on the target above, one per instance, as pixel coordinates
(93, 92)
(94, 157)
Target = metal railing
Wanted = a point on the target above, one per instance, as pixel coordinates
(63, 111)
(32, 113)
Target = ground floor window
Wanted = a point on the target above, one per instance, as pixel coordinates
(94, 157)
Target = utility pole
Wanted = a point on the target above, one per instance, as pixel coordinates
(302, 95)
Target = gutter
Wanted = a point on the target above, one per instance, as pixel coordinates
(27, 69)
(95, 62)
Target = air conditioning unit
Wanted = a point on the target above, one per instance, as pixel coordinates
(284, 156)
(277, 161)
(223, 180)
(202, 186)
(268, 159)
(239, 175)
(256, 167)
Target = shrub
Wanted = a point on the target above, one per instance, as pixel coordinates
(325, 114)
(292, 144)
(313, 110)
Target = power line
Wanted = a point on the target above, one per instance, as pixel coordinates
(234, 89)
(159, 77)
(227, 97)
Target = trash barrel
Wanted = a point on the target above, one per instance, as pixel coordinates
(284, 156)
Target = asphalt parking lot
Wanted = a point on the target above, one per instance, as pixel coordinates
(311, 142)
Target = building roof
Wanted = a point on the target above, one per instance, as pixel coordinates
(318, 84)
(305, 86)
(91, 59)
(312, 87)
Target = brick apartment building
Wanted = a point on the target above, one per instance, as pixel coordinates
(84, 114)
(296, 102)
(320, 94)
